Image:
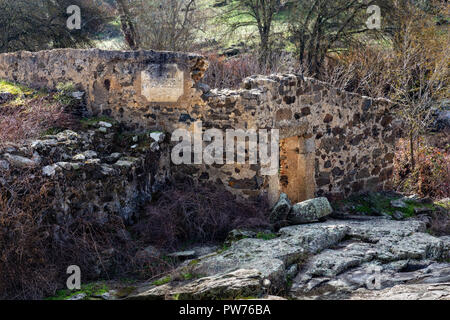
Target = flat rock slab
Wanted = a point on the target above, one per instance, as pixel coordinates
(379, 248)
(406, 292)
(240, 283)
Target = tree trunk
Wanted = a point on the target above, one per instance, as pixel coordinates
(411, 151)
(264, 50)
(127, 25)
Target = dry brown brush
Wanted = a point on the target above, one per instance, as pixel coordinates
(186, 213)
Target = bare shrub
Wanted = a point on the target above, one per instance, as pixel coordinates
(431, 174)
(163, 24)
(364, 70)
(226, 72)
(440, 222)
(20, 122)
(37, 246)
(188, 213)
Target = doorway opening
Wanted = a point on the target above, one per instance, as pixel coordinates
(296, 177)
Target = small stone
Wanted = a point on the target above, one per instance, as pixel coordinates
(157, 136)
(4, 165)
(107, 170)
(281, 209)
(398, 215)
(19, 161)
(154, 146)
(76, 166)
(103, 130)
(183, 255)
(80, 296)
(292, 271)
(77, 95)
(113, 157)
(90, 154)
(105, 124)
(37, 144)
(67, 135)
(123, 163)
(107, 295)
(204, 250)
(65, 165)
(134, 146)
(41, 144)
(92, 161)
(50, 170)
(267, 283)
(238, 234)
(79, 157)
(423, 210)
(398, 204)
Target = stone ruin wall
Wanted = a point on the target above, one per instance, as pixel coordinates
(346, 141)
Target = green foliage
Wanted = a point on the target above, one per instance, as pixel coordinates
(90, 290)
(20, 91)
(162, 281)
(188, 276)
(266, 236)
(194, 262)
(14, 88)
(92, 122)
(65, 90)
(224, 248)
(378, 203)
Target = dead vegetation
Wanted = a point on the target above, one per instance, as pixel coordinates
(198, 214)
(30, 117)
(37, 244)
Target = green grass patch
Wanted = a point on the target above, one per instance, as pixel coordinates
(188, 276)
(377, 203)
(90, 290)
(92, 122)
(162, 281)
(20, 92)
(266, 236)
(194, 262)
(224, 248)
(15, 89)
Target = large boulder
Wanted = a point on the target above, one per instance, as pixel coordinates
(310, 211)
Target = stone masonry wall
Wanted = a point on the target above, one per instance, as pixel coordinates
(350, 138)
(125, 85)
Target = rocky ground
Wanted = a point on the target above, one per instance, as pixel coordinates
(369, 258)
(352, 257)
